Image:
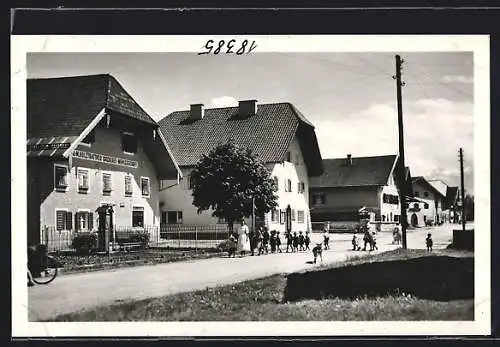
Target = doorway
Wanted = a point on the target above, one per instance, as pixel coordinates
(414, 220)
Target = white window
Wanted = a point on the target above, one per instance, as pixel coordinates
(63, 219)
(300, 216)
(145, 186)
(60, 177)
(221, 220)
(277, 183)
(174, 217)
(301, 187)
(84, 220)
(83, 181)
(275, 216)
(282, 216)
(293, 215)
(137, 216)
(106, 183)
(288, 185)
(129, 143)
(128, 185)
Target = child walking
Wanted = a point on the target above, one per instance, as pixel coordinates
(428, 242)
(307, 240)
(326, 239)
(295, 242)
(272, 241)
(289, 241)
(278, 242)
(301, 241)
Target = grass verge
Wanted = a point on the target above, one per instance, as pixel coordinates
(262, 300)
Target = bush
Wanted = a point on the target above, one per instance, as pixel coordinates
(141, 237)
(85, 243)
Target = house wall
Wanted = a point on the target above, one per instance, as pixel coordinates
(339, 197)
(107, 142)
(386, 209)
(434, 200)
(179, 197)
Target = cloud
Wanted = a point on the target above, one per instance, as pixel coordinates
(434, 131)
(457, 79)
(223, 101)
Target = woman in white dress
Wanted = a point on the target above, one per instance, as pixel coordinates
(243, 239)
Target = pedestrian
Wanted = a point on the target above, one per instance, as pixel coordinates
(326, 239)
(374, 241)
(243, 239)
(301, 241)
(257, 242)
(428, 242)
(307, 240)
(278, 242)
(355, 243)
(231, 247)
(289, 241)
(396, 235)
(366, 237)
(265, 240)
(272, 241)
(295, 242)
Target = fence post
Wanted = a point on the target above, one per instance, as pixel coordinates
(196, 239)
(216, 239)
(179, 237)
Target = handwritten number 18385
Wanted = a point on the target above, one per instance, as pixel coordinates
(228, 48)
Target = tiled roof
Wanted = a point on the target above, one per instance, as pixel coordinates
(364, 171)
(65, 106)
(268, 133)
(425, 182)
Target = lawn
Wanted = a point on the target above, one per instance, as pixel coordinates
(73, 263)
(263, 300)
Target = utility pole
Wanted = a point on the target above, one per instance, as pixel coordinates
(462, 189)
(402, 180)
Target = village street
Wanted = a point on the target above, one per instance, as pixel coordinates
(75, 292)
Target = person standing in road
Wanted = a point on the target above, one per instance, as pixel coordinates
(243, 239)
(429, 242)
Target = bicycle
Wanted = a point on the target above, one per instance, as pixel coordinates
(41, 266)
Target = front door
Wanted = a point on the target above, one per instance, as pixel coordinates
(414, 220)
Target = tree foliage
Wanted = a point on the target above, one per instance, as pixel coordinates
(227, 178)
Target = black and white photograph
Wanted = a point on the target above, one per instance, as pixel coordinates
(251, 185)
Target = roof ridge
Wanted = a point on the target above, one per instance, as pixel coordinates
(371, 156)
(68, 77)
(236, 106)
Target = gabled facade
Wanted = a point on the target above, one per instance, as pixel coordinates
(278, 134)
(350, 184)
(427, 204)
(89, 143)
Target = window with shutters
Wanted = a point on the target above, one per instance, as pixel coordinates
(84, 220)
(128, 185)
(282, 217)
(426, 206)
(83, 181)
(277, 183)
(319, 198)
(106, 183)
(138, 216)
(288, 185)
(63, 219)
(426, 194)
(293, 215)
(301, 187)
(60, 177)
(145, 188)
(129, 143)
(300, 216)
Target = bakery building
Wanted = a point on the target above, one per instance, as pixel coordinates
(90, 143)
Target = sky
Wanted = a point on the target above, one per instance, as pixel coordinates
(349, 97)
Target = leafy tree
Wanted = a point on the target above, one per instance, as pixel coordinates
(227, 178)
(469, 207)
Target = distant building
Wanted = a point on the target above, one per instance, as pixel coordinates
(351, 185)
(277, 133)
(90, 143)
(427, 205)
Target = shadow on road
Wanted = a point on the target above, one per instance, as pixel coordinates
(441, 278)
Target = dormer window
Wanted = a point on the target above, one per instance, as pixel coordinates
(129, 143)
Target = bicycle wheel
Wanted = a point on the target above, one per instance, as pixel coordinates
(48, 274)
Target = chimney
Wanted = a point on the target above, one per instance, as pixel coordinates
(349, 160)
(247, 108)
(197, 111)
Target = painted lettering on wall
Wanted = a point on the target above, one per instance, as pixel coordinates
(104, 159)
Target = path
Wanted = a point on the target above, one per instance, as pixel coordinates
(74, 292)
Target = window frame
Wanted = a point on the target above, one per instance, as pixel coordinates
(131, 193)
(105, 192)
(177, 219)
(426, 194)
(149, 187)
(88, 212)
(126, 133)
(275, 212)
(138, 209)
(55, 184)
(299, 213)
(277, 182)
(65, 210)
(83, 190)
